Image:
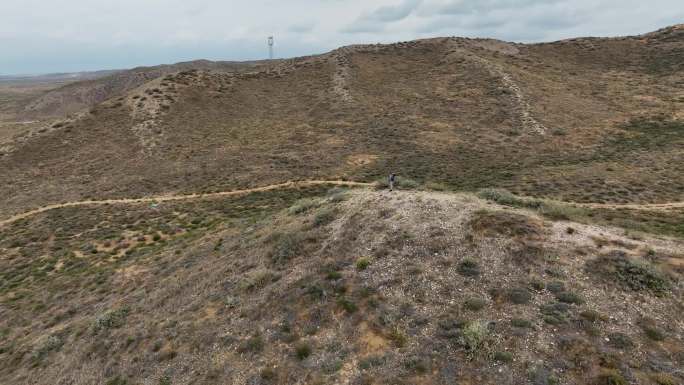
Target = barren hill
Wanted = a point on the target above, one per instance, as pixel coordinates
(350, 287)
(590, 120)
(161, 237)
(81, 95)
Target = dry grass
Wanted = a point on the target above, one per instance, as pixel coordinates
(368, 295)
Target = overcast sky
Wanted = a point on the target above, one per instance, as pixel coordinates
(41, 36)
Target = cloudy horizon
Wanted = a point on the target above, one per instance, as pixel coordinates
(77, 35)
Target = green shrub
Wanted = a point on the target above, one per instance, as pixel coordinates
(165, 380)
(268, 374)
(258, 279)
(537, 285)
(519, 296)
(611, 377)
(286, 246)
(560, 212)
(635, 275)
(663, 379)
(653, 332)
(253, 344)
(347, 305)
(640, 276)
(469, 268)
(620, 341)
(337, 195)
(474, 304)
(47, 345)
(324, 217)
(303, 350)
(362, 263)
(111, 320)
(303, 205)
(503, 357)
(405, 183)
(521, 323)
(473, 335)
(569, 297)
(116, 381)
(333, 275)
(435, 186)
(592, 316)
(506, 198)
(416, 364)
(397, 337)
(371, 362)
(555, 286)
(555, 313)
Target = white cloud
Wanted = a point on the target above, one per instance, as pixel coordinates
(68, 35)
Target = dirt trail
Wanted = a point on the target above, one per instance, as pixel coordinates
(632, 206)
(166, 198)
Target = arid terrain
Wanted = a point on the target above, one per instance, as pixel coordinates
(229, 223)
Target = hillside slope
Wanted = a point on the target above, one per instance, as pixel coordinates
(82, 95)
(346, 287)
(589, 120)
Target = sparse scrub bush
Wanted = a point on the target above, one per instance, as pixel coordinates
(473, 336)
(519, 296)
(371, 362)
(592, 316)
(555, 287)
(286, 246)
(258, 279)
(416, 364)
(397, 337)
(333, 275)
(323, 217)
(469, 268)
(111, 320)
(435, 186)
(652, 331)
(506, 198)
(638, 276)
(503, 357)
(663, 379)
(555, 313)
(540, 375)
(611, 377)
(569, 297)
(362, 263)
(521, 323)
(303, 350)
(474, 304)
(303, 205)
(268, 374)
(45, 346)
(337, 194)
(560, 212)
(254, 344)
(537, 285)
(347, 305)
(117, 381)
(620, 341)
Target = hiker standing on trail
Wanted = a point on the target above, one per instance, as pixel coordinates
(392, 177)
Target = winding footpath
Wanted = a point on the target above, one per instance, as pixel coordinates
(293, 184)
(167, 198)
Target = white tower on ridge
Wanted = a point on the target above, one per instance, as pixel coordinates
(270, 47)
